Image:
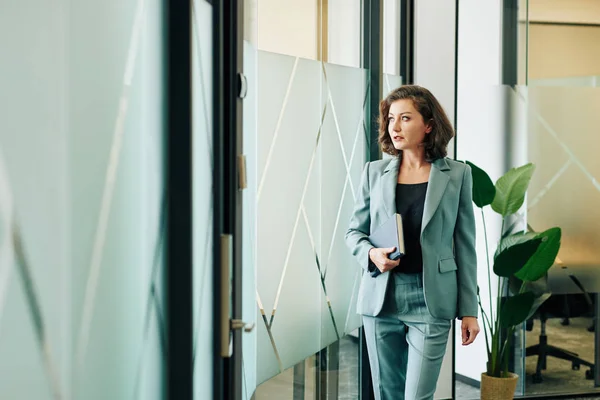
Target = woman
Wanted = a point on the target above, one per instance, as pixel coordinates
(408, 304)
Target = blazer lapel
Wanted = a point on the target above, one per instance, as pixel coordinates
(438, 180)
(388, 185)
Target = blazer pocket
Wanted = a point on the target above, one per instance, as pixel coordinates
(447, 265)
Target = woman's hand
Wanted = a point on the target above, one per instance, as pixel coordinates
(470, 329)
(379, 256)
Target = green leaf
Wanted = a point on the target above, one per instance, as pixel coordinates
(539, 300)
(544, 257)
(513, 258)
(516, 309)
(511, 188)
(511, 240)
(484, 190)
(538, 287)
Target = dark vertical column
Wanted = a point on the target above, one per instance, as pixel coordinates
(510, 26)
(333, 370)
(366, 384)
(299, 380)
(230, 70)
(179, 193)
(596, 369)
(510, 32)
(371, 61)
(218, 188)
(407, 40)
(320, 377)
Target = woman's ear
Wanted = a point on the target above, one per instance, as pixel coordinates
(429, 126)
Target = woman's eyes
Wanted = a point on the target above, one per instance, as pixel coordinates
(404, 118)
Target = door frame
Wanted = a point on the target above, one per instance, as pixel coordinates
(227, 196)
(178, 188)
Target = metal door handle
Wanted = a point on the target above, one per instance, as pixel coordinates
(239, 324)
(226, 250)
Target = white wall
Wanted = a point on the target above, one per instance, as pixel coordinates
(288, 27)
(480, 138)
(344, 32)
(391, 37)
(435, 26)
(435, 31)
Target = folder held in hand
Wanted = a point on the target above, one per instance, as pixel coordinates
(390, 234)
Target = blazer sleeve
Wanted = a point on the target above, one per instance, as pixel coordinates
(360, 224)
(464, 249)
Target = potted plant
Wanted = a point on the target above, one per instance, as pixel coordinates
(520, 259)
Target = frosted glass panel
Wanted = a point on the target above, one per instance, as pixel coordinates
(286, 148)
(390, 82)
(202, 104)
(563, 144)
(81, 204)
(565, 191)
(343, 156)
(310, 146)
(249, 309)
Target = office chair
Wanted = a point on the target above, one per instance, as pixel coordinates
(562, 306)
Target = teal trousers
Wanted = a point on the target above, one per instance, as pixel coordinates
(406, 345)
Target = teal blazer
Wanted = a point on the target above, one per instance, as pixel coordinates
(447, 237)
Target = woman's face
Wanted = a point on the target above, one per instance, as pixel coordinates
(406, 126)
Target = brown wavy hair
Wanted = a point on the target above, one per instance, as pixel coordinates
(436, 142)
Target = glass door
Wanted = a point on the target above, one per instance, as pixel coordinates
(306, 134)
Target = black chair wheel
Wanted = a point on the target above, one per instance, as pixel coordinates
(537, 378)
(575, 367)
(589, 374)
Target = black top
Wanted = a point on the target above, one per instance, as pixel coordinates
(410, 201)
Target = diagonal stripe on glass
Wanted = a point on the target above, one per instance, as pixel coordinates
(268, 327)
(109, 184)
(152, 302)
(36, 314)
(548, 186)
(318, 264)
(348, 178)
(277, 128)
(554, 135)
(298, 213)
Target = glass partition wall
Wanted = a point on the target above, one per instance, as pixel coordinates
(82, 200)
(308, 130)
(560, 102)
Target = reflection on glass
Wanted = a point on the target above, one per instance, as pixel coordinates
(565, 192)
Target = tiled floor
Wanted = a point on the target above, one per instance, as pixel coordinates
(558, 378)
